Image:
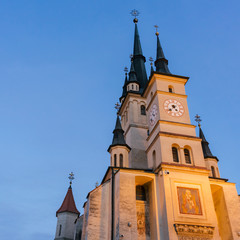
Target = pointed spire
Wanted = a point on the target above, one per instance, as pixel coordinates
(138, 58)
(206, 150)
(132, 73)
(124, 91)
(137, 49)
(118, 137)
(161, 62)
(68, 204)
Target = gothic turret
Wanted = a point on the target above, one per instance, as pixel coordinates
(211, 161)
(161, 62)
(66, 216)
(133, 84)
(119, 149)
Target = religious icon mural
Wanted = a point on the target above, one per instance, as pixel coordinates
(189, 201)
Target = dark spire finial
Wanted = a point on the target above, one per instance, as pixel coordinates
(135, 13)
(126, 70)
(71, 177)
(198, 120)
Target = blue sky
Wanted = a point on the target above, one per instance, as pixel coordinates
(61, 72)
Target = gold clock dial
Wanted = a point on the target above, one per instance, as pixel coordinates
(174, 108)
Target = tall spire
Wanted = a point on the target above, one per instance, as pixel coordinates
(138, 58)
(161, 62)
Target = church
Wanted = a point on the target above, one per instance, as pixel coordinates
(163, 181)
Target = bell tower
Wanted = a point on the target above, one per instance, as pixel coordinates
(133, 104)
(170, 130)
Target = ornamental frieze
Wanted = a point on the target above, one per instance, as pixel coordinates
(194, 232)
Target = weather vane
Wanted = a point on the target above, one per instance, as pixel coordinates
(198, 120)
(71, 177)
(135, 13)
(151, 61)
(156, 26)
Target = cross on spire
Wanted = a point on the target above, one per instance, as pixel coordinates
(135, 13)
(71, 177)
(198, 120)
(156, 26)
(117, 106)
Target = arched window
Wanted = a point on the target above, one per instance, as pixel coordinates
(121, 160)
(154, 159)
(175, 154)
(170, 89)
(143, 110)
(132, 86)
(187, 156)
(140, 193)
(115, 160)
(213, 172)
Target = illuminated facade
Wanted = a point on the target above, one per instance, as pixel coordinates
(163, 181)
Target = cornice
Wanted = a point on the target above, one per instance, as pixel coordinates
(171, 123)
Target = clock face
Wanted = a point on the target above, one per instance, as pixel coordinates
(153, 114)
(173, 108)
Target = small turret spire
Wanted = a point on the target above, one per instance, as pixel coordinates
(68, 204)
(118, 137)
(124, 91)
(161, 62)
(151, 63)
(132, 73)
(205, 145)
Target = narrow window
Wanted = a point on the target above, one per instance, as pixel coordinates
(170, 89)
(115, 160)
(187, 156)
(60, 230)
(132, 86)
(143, 110)
(154, 159)
(140, 193)
(121, 160)
(213, 172)
(175, 154)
